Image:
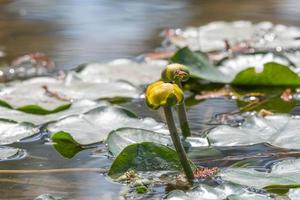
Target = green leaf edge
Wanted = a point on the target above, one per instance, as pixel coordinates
(36, 109)
(62, 136)
(237, 79)
(116, 168)
(280, 189)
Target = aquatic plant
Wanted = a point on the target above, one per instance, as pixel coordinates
(178, 73)
(166, 95)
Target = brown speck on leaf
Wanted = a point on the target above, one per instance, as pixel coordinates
(204, 172)
(224, 92)
(55, 94)
(287, 95)
(160, 55)
(38, 59)
(264, 113)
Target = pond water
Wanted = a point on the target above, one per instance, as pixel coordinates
(75, 32)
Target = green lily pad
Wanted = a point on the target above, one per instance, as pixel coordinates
(225, 191)
(95, 125)
(199, 65)
(261, 36)
(294, 194)
(38, 110)
(283, 176)
(65, 144)
(146, 156)
(11, 132)
(274, 104)
(118, 139)
(277, 130)
(77, 107)
(232, 66)
(144, 72)
(48, 95)
(7, 153)
(280, 189)
(273, 74)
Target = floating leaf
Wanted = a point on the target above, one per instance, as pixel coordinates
(49, 95)
(294, 194)
(7, 153)
(65, 144)
(77, 107)
(241, 35)
(224, 191)
(280, 189)
(16, 95)
(146, 156)
(283, 175)
(95, 125)
(11, 132)
(199, 65)
(277, 130)
(38, 110)
(272, 74)
(236, 64)
(145, 72)
(118, 139)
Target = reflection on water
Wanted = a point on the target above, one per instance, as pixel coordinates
(73, 31)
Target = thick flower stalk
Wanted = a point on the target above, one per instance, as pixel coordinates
(166, 95)
(178, 73)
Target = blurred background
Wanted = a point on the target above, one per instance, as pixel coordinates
(72, 32)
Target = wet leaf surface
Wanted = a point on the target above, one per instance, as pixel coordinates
(9, 153)
(283, 176)
(277, 130)
(95, 125)
(146, 156)
(11, 132)
(133, 72)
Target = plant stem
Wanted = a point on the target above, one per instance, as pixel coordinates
(177, 144)
(184, 124)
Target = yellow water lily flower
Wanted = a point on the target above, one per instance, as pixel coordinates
(163, 94)
(174, 72)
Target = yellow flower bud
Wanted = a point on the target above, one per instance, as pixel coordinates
(163, 94)
(175, 72)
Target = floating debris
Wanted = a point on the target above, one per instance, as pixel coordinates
(204, 172)
(29, 65)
